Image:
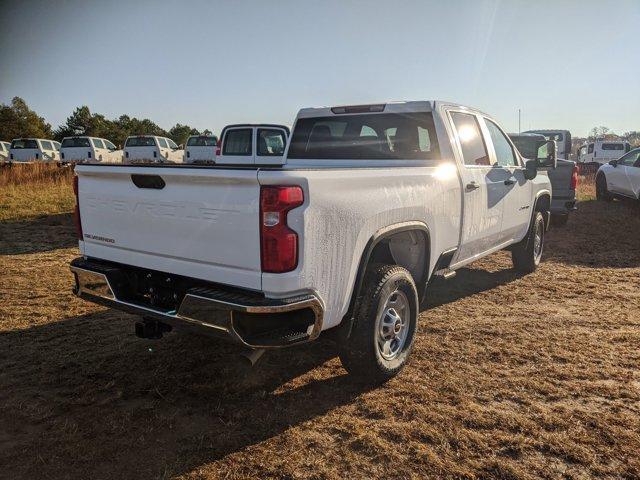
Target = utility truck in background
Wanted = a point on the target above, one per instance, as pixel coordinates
(341, 232)
(562, 139)
(601, 152)
(563, 175)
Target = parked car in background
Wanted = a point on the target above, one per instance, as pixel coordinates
(366, 206)
(89, 149)
(4, 151)
(563, 175)
(33, 150)
(250, 144)
(201, 149)
(620, 177)
(562, 139)
(602, 151)
(152, 149)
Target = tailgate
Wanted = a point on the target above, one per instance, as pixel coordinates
(203, 223)
(560, 178)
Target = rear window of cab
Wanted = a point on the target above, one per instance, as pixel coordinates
(397, 136)
(75, 142)
(202, 141)
(140, 142)
(20, 144)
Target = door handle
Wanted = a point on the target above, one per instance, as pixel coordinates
(510, 181)
(471, 186)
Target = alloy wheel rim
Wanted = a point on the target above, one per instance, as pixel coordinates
(392, 326)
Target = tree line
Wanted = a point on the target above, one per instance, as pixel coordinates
(18, 120)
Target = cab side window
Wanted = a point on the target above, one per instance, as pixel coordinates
(505, 156)
(97, 143)
(630, 159)
(474, 151)
(163, 143)
(590, 148)
(46, 145)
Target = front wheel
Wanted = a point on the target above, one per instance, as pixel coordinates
(384, 325)
(527, 253)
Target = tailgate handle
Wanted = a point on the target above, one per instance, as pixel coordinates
(148, 181)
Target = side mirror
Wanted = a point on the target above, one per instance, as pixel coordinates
(181, 146)
(551, 158)
(613, 163)
(530, 169)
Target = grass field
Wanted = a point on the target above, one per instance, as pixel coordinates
(511, 376)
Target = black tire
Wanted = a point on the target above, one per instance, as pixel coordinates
(602, 191)
(361, 352)
(559, 220)
(527, 253)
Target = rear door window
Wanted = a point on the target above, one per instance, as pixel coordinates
(238, 142)
(474, 151)
(271, 142)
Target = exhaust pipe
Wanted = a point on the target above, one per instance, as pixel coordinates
(250, 356)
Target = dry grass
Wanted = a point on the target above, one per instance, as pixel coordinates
(511, 377)
(32, 190)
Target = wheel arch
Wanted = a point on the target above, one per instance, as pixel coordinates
(543, 205)
(378, 248)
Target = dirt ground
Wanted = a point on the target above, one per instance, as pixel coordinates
(511, 377)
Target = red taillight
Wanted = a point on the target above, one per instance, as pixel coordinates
(218, 144)
(279, 244)
(574, 178)
(76, 211)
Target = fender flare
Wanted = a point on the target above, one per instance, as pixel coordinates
(541, 193)
(379, 236)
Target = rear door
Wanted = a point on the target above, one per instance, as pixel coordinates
(271, 143)
(482, 185)
(200, 223)
(237, 146)
(517, 192)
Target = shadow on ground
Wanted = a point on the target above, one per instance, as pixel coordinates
(87, 384)
(41, 234)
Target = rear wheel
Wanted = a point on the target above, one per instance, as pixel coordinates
(384, 325)
(526, 254)
(602, 191)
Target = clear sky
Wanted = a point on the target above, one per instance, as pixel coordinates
(566, 64)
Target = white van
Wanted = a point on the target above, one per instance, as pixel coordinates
(4, 151)
(89, 149)
(33, 150)
(150, 148)
(602, 151)
(201, 149)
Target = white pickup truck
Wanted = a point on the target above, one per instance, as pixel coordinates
(366, 206)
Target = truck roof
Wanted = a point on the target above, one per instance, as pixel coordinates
(387, 107)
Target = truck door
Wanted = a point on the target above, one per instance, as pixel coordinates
(237, 146)
(270, 145)
(482, 191)
(509, 169)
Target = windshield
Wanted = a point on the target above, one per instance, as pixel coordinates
(22, 143)
(141, 142)
(75, 142)
(369, 136)
(202, 142)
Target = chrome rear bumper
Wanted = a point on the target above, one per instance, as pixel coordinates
(212, 311)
